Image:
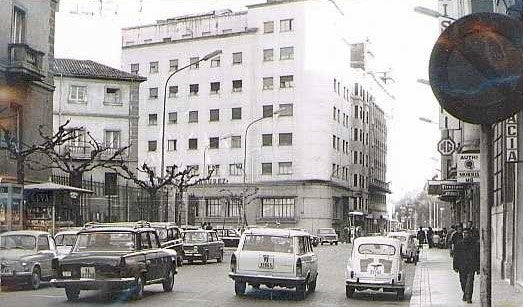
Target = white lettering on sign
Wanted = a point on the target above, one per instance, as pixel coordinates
(511, 138)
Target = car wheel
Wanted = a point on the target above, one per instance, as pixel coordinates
(301, 291)
(36, 277)
(239, 288)
(400, 294)
(204, 258)
(349, 291)
(137, 289)
(72, 294)
(312, 285)
(168, 283)
(220, 258)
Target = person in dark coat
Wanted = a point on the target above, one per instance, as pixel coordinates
(208, 226)
(466, 263)
(421, 236)
(457, 236)
(430, 237)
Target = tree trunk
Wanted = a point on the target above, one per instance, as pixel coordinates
(75, 179)
(153, 208)
(20, 170)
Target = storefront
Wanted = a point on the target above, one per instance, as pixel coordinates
(11, 207)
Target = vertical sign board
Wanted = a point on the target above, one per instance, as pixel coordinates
(468, 168)
(511, 138)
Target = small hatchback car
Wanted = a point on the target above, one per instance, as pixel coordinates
(375, 264)
(274, 258)
(409, 246)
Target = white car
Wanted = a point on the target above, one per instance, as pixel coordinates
(375, 264)
(65, 241)
(327, 235)
(274, 258)
(409, 245)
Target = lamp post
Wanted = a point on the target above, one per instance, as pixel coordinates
(429, 12)
(223, 137)
(162, 163)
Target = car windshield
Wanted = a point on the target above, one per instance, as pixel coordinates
(326, 231)
(260, 243)
(194, 237)
(377, 249)
(17, 242)
(65, 240)
(105, 241)
(400, 238)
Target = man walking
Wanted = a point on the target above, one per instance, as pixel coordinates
(421, 236)
(466, 263)
(430, 237)
(457, 236)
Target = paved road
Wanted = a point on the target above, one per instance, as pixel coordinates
(209, 285)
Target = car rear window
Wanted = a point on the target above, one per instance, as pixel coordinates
(377, 249)
(105, 241)
(265, 243)
(66, 240)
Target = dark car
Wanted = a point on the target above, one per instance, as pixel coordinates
(202, 245)
(115, 259)
(229, 236)
(170, 237)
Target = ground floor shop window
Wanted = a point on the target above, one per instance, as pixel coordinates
(213, 207)
(278, 207)
(234, 207)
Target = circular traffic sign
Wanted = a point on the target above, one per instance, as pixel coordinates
(446, 147)
(476, 68)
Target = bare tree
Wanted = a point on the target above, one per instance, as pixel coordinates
(247, 195)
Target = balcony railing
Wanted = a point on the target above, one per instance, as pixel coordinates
(83, 152)
(25, 62)
(379, 185)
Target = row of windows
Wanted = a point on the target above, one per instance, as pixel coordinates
(286, 25)
(342, 172)
(78, 144)
(336, 144)
(336, 116)
(215, 87)
(362, 93)
(236, 169)
(78, 94)
(270, 208)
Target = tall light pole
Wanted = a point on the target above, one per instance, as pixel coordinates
(223, 137)
(162, 163)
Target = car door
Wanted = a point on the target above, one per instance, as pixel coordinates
(146, 247)
(45, 255)
(219, 245)
(211, 244)
(162, 258)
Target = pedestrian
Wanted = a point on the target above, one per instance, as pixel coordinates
(208, 226)
(466, 263)
(204, 224)
(457, 236)
(475, 232)
(449, 236)
(421, 236)
(430, 237)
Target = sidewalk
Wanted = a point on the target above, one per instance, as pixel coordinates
(436, 284)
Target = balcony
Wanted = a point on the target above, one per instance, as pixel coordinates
(25, 63)
(83, 152)
(380, 186)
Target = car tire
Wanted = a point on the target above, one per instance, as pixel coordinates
(349, 291)
(301, 291)
(168, 283)
(204, 258)
(36, 278)
(312, 285)
(137, 289)
(72, 294)
(220, 258)
(239, 288)
(400, 294)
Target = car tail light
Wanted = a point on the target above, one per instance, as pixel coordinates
(233, 263)
(298, 267)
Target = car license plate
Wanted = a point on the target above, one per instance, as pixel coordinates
(87, 272)
(376, 271)
(266, 262)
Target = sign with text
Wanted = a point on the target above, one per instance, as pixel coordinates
(468, 168)
(446, 147)
(511, 137)
(440, 187)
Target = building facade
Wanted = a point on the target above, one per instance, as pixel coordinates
(273, 115)
(26, 78)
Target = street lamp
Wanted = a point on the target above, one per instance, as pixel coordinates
(423, 81)
(223, 137)
(428, 120)
(162, 163)
(430, 12)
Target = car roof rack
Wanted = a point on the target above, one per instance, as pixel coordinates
(137, 224)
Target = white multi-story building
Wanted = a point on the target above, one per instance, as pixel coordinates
(288, 57)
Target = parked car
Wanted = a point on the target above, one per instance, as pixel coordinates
(327, 235)
(65, 240)
(25, 258)
(274, 258)
(229, 236)
(375, 263)
(315, 240)
(409, 245)
(202, 245)
(170, 237)
(114, 259)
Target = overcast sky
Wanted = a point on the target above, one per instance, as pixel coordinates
(402, 40)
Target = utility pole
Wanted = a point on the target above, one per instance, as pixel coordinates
(486, 200)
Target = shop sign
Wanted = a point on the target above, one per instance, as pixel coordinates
(511, 133)
(468, 168)
(445, 187)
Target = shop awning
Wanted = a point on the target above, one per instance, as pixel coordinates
(51, 186)
(356, 213)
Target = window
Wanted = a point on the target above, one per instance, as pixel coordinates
(112, 95)
(214, 143)
(268, 110)
(18, 26)
(145, 242)
(268, 27)
(355, 111)
(334, 113)
(285, 139)
(286, 109)
(278, 207)
(214, 115)
(112, 139)
(195, 62)
(215, 87)
(193, 144)
(153, 93)
(77, 94)
(235, 169)
(173, 91)
(110, 184)
(215, 169)
(286, 53)
(236, 85)
(152, 145)
(268, 83)
(212, 207)
(236, 141)
(153, 67)
(355, 183)
(266, 168)
(173, 117)
(233, 207)
(285, 168)
(334, 142)
(153, 119)
(215, 62)
(236, 113)
(43, 243)
(286, 25)
(173, 65)
(171, 145)
(268, 55)
(266, 139)
(286, 81)
(135, 68)
(355, 134)
(236, 58)
(355, 157)
(193, 89)
(193, 116)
